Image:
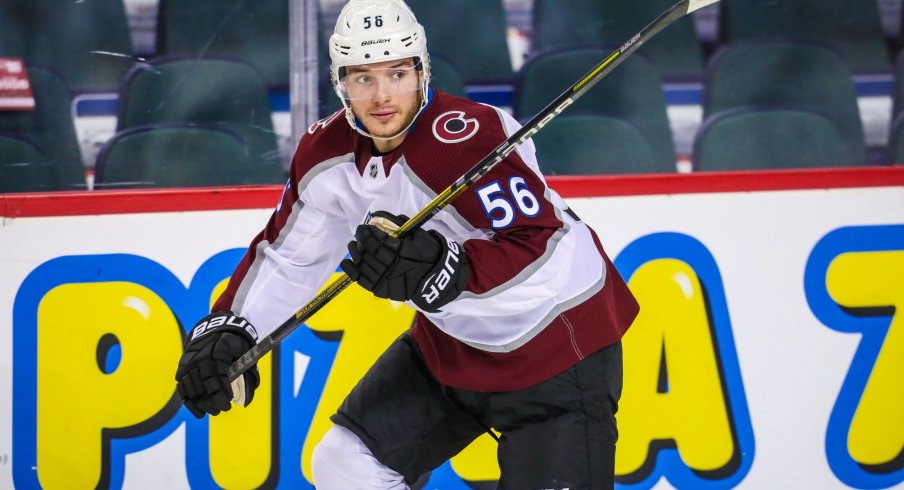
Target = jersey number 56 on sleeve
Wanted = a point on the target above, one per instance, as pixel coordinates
(498, 205)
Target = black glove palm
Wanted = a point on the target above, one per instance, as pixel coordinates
(202, 378)
(424, 266)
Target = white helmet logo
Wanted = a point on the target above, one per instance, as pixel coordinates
(453, 127)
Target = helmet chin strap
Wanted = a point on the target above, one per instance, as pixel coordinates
(359, 127)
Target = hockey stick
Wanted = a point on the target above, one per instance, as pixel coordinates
(680, 9)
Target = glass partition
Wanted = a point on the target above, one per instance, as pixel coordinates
(115, 94)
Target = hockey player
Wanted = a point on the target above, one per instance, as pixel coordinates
(520, 311)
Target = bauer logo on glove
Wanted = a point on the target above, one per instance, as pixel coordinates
(436, 284)
(202, 379)
(219, 320)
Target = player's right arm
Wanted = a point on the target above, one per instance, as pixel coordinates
(283, 268)
(300, 246)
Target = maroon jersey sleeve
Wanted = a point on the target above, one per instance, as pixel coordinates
(511, 201)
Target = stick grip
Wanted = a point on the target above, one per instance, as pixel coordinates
(249, 358)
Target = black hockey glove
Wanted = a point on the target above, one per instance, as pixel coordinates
(424, 266)
(202, 379)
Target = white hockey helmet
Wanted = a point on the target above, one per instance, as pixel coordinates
(375, 31)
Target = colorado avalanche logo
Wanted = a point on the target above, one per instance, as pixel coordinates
(452, 127)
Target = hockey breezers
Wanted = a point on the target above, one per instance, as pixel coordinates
(675, 12)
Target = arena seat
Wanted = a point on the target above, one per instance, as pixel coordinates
(782, 72)
(587, 144)
(176, 155)
(632, 92)
(21, 165)
(896, 141)
(256, 32)
(676, 50)
(771, 138)
(476, 44)
(225, 93)
(25, 168)
(49, 126)
(12, 25)
(446, 77)
(898, 90)
(88, 43)
(853, 29)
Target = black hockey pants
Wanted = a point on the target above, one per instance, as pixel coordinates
(560, 433)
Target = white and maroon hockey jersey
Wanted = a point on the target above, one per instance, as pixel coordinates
(541, 294)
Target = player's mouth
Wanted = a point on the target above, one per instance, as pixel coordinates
(384, 115)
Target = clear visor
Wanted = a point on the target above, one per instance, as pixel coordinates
(365, 82)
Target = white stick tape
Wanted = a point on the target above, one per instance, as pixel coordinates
(698, 4)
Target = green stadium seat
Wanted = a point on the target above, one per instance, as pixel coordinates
(22, 166)
(632, 92)
(25, 168)
(852, 28)
(49, 127)
(476, 44)
(329, 101)
(896, 141)
(771, 138)
(176, 156)
(780, 72)
(446, 77)
(254, 31)
(225, 93)
(87, 42)
(587, 144)
(677, 50)
(12, 25)
(898, 90)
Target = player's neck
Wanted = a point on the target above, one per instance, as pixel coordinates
(386, 146)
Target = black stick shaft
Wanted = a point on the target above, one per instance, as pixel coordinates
(537, 123)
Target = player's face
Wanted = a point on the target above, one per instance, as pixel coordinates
(385, 97)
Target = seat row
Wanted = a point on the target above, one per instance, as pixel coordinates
(90, 45)
(197, 101)
(767, 104)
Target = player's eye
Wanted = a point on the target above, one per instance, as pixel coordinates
(363, 79)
